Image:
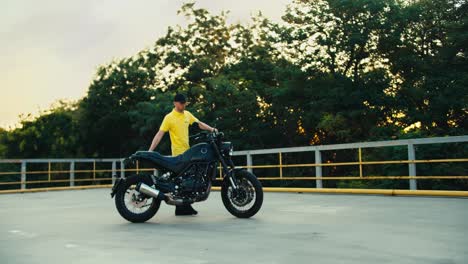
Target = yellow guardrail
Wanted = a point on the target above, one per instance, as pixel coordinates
(280, 165)
(53, 176)
(50, 172)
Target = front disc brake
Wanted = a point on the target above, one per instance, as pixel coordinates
(243, 195)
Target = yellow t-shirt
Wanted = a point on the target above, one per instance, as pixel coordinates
(177, 124)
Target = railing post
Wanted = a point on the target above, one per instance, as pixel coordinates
(249, 162)
(281, 165)
(412, 167)
(48, 171)
(360, 163)
(122, 169)
(94, 170)
(114, 169)
(23, 175)
(72, 174)
(318, 169)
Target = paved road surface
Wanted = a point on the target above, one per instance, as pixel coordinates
(84, 227)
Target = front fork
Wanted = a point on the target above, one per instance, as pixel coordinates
(233, 184)
(228, 167)
(228, 170)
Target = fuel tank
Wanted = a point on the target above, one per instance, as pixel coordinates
(200, 152)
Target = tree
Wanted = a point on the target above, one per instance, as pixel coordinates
(51, 135)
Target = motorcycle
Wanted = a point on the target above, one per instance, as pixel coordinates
(186, 179)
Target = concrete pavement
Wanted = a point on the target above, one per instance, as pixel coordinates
(84, 227)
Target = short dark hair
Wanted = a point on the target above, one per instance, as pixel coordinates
(179, 98)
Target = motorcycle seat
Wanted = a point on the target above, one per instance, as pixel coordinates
(175, 164)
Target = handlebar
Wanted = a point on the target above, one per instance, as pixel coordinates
(207, 135)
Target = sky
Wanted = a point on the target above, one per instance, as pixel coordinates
(50, 49)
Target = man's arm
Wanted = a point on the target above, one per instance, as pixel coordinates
(156, 140)
(204, 126)
(201, 125)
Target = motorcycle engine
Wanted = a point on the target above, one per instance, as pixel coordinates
(192, 184)
(192, 181)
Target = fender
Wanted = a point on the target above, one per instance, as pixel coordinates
(117, 184)
(236, 170)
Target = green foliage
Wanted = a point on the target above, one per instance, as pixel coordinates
(51, 135)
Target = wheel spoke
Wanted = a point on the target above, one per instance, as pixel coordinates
(135, 203)
(244, 197)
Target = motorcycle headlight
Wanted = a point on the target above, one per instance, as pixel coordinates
(226, 148)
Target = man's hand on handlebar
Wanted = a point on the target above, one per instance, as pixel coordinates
(206, 134)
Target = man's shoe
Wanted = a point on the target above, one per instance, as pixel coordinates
(185, 210)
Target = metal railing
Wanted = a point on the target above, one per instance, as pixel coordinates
(411, 160)
(116, 165)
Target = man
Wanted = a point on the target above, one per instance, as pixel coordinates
(177, 123)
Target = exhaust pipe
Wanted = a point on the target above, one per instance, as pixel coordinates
(143, 188)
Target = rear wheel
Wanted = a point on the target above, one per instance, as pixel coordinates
(247, 200)
(132, 205)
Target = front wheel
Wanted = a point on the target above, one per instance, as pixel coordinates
(247, 200)
(132, 205)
